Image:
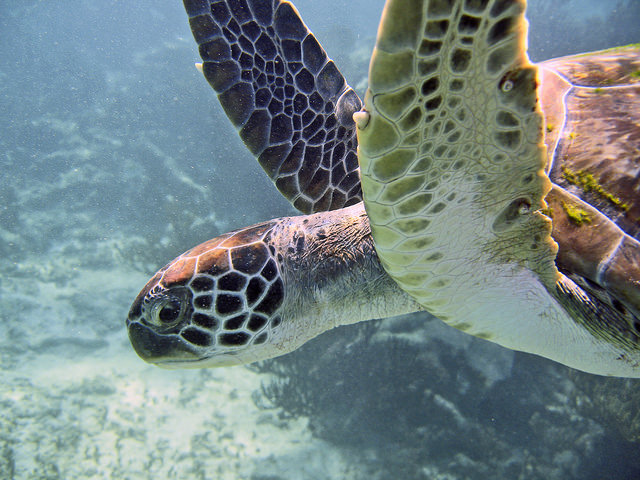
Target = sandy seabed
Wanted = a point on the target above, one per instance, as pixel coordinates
(76, 404)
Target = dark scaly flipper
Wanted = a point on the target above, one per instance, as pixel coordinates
(290, 103)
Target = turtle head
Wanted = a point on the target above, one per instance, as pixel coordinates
(217, 304)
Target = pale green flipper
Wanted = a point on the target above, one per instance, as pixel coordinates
(452, 155)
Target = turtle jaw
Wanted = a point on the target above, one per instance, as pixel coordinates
(170, 351)
(169, 328)
(229, 359)
(154, 347)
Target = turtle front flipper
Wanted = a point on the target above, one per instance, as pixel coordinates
(289, 101)
(452, 157)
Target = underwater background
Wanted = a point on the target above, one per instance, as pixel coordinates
(115, 157)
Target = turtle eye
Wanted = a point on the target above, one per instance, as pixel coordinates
(167, 312)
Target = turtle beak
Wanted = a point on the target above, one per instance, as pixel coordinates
(155, 348)
(167, 351)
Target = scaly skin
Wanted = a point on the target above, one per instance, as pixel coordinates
(263, 291)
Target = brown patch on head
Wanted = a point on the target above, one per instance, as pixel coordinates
(179, 272)
(214, 261)
(247, 235)
(206, 246)
(153, 282)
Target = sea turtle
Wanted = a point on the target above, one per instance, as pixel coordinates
(454, 173)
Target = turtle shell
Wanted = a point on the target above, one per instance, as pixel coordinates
(591, 104)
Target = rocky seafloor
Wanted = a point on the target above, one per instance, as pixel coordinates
(103, 180)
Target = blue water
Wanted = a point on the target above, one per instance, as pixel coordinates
(115, 157)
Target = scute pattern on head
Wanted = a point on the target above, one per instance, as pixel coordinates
(220, 296)
(290, 103)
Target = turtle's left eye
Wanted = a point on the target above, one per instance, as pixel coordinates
(167, 312)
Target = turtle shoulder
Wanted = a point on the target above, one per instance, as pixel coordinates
(291, 105)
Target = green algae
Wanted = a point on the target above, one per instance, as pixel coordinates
(589, 184)
(576, 215)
